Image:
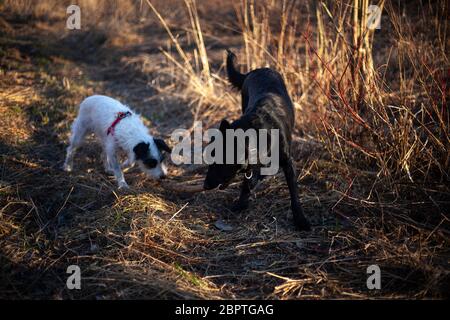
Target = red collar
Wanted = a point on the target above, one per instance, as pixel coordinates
(120, 116)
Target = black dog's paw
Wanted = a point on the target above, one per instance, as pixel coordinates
(239, 206)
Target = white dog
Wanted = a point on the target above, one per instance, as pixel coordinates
(117, 126)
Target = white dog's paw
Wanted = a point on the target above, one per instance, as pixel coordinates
(67, 167)
(123, 185)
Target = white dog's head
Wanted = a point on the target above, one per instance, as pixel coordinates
(150, 156)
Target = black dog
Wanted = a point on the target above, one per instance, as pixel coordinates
(265, 105)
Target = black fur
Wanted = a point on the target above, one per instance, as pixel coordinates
(162, 146)
(265, 105)
(235, 77)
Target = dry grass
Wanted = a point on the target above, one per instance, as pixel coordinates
(371, 147)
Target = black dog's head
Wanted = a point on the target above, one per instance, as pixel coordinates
(220, 175)
(150, 157)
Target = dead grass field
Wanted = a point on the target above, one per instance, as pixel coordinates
(371, 146)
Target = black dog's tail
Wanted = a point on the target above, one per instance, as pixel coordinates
(234, 76)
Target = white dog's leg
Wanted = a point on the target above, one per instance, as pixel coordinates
(76, 139)
(114, 164)
(127, 164)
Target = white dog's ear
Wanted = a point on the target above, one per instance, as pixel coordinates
(162, 145)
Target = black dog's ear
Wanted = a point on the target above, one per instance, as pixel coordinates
(162, 145)
(141, 150)
(224, 125)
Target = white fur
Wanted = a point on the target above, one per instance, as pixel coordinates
(96, 114)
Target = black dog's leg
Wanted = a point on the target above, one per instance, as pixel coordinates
(299, 219)
(242, 202)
